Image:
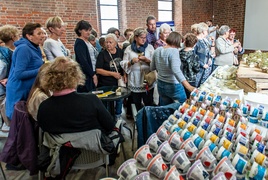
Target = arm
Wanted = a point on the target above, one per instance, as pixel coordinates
(152, 65)
(175, 65)
(55, 49)
(196, 65)
(22, 61)
(81, 51)
(201, 56)
(125, 64)
(223, 47)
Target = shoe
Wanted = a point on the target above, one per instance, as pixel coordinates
(3, 134)
(5, 127)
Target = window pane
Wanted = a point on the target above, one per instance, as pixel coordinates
(164, 5)
(109, 12)
(165, 16)
(111, 2)
(106, 24)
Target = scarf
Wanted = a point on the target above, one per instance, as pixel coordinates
(140, 49)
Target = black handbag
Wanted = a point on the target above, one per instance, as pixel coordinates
(106, 143)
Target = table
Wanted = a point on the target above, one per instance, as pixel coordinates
(113, 97)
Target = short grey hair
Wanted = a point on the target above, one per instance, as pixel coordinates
(223, 29)
(91, 37)
(111, 35)
(201, 27)
(140, 30)
(164, 27)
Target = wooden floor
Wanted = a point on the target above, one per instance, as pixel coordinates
(89, 174)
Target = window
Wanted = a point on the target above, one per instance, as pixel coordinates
(165, 9)
(108, 15)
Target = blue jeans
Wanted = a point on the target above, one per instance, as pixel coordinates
(169, 92)
(118, 107)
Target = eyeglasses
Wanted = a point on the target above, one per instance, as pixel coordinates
(142, 37)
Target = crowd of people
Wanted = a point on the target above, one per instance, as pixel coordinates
(182, 63)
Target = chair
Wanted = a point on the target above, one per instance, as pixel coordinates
(86, 160)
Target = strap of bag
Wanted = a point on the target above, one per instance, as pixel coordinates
(113, 62)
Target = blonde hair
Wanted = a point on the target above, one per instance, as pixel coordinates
(140, 30)
(54, 22)
(202, 27)
(8, 32)
(194, 28)
(63, 73)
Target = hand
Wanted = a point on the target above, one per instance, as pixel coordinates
(3, 82)
(142, 58)
(236, 44)
(135, 60)
(117, 75)
(125, 78)
(95, 80)
(205, 66)
(235, 50)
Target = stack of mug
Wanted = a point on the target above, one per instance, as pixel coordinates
(206, 138)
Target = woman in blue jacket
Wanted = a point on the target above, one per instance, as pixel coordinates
(26, 61)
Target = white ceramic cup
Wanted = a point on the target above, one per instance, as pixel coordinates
(223, 153)
(259, 146)
(189, 147)
(226, 167)
(143, 155)
(166, 151)
(197, 171)
(258, 158)
(157, 167)
(162, 133)
(154, 142)
(198, 141)
(206, 157)
(181, 161)
(239, 164)
(128, 170)
(173, 173)
(242, 140)
(172, 119)
(257, 171)
(241, 150)
(226, 143)
(185, 134)
(175, 141)
(201, 132)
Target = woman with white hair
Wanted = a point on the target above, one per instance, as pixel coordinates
(165, 30)
(224, 48)
(108, 63)
(203, 50)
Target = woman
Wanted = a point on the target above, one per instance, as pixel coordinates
(84, 56)
(26, 61)
(225, 48)
(163, 34)
(105, 67)
(68, 111)
(203, 50)
(8, 34)
(37, 94)
(53, 46)
(170, 80)
(239, 49)
(136, 63)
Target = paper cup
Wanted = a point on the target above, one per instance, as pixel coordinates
(175, 141)
(216, 130)
(198, 141)
(201, 132)
(166, 151)
(177, 114)
(206, 157)
(230, 136)
(154, 142)
(196, 122)
(257, 171)
(213, 138)
(189, 147)
(197, 171)
(181, 161)
(143, 176)
(223, 153)
(191, 128)
(259, 146)
(239, 164)
(219, 176)
(182, 124)
(213, 148)
(205, 126)
(185, 134)
(167, 124)
(173, 174)
(258, 157)
(242, 140)
(143, 155)
(157, 167)
(162, 133)
(128, 170)
(226, 143)
(226, 167)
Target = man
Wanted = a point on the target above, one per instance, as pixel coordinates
(151, 28)
(212, 30)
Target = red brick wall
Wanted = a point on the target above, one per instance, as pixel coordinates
(132, 13)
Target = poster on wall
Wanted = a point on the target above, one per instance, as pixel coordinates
(158, 24)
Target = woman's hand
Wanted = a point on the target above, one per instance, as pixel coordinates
(116, 75)
(205, 66)
(95, 80)
(125, 77)
(3, 82)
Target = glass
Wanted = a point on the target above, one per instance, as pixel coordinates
(106, 24)
(165, 15)
(164, 5)
(109, 12)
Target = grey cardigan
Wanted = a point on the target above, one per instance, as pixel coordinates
(224, 52)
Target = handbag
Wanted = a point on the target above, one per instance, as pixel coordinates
(120, 82)
(150, 77)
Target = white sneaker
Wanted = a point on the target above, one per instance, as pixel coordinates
(3, 134)
(5, 128)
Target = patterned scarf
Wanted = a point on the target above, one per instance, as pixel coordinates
(140, 49)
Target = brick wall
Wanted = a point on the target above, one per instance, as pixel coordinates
(132, 13)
